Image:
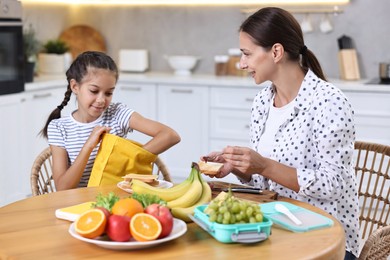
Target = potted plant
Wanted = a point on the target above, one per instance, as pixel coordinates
(52, 59)
(31, 47)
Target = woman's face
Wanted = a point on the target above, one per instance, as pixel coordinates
(94, 93)
(255, 59)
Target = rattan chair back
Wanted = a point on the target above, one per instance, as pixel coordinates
(42, 180)
(377, 246)
(41, 174)
(373, 176)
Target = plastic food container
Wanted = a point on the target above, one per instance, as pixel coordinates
(233, 233)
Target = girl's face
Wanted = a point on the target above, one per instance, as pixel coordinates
(94, 94)
(255, 59)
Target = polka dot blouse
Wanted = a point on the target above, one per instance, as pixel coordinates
(318, 140)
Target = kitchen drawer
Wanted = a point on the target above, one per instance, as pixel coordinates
(229, 123)
(369, 103)
(240, 98)
(373, 127)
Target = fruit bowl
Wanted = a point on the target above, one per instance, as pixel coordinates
(182, 64)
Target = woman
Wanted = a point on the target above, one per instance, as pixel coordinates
(302, 131)
(74, 140)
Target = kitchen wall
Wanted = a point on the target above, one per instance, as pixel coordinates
(209, 31)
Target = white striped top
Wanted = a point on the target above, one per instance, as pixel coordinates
(71, 135)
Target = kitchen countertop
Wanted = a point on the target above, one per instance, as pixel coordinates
(46, 81)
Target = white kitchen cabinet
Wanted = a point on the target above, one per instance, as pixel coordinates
(12, 178)
(185, 108)
(140, 97)
(230, 111)
(372, 115)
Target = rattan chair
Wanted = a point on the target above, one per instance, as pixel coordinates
(372, 170)
(42, 180)
(377, 245)
(41, 174)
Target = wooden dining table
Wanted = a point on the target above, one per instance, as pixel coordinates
(29, 229)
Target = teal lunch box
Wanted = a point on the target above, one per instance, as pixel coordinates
(233, 233)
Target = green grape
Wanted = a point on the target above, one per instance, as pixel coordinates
(233, 219)
(236, 207)
(225, 222)
(226, 216)
(259, 217)
(249, 211)
(238, 217)
(213, 205)
(222, 209)
(252, 220)
(219, 218)
(213, 217)
(243, 206)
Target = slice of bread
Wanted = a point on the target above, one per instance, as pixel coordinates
(147, 178)
(209, 168)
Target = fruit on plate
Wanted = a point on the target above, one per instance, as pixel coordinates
(164, 215)
(145, 227)
(182, 198)
(105, 211)
(118, 228)
(91, 223)
(127, 207)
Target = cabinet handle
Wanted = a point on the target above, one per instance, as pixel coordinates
(188, 91)
(249, 99)
(132, 88)
(247, 126)
(36, 96)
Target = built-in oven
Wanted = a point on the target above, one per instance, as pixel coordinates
(11, 47)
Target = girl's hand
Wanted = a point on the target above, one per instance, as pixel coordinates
(95, 136)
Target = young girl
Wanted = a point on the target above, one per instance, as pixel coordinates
(302, 131)
(74, 139)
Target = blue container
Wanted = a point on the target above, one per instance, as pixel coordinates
(233, 233)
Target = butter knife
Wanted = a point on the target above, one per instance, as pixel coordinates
(241, 190)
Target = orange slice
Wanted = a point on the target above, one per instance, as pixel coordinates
(91, 223)
(145, 227)
(127, 207)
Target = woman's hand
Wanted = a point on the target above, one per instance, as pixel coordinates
(218, 157)
(95, 136)
(244, 160)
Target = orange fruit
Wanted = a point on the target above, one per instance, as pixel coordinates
(145, 227)
(91, 223)
(127, 207)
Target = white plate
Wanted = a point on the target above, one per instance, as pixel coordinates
(161, 184)
(179, 228)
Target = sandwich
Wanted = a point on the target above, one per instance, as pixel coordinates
(147, 178)
(209, 168)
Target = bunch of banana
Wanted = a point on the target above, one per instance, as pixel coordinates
(182, 198)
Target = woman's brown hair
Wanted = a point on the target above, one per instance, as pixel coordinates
(272, 25)
(77, 71)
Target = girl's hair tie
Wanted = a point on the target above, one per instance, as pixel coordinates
(303, 50)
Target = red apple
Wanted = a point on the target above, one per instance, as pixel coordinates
(118, 228)
(105, 211)
(164, 215)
